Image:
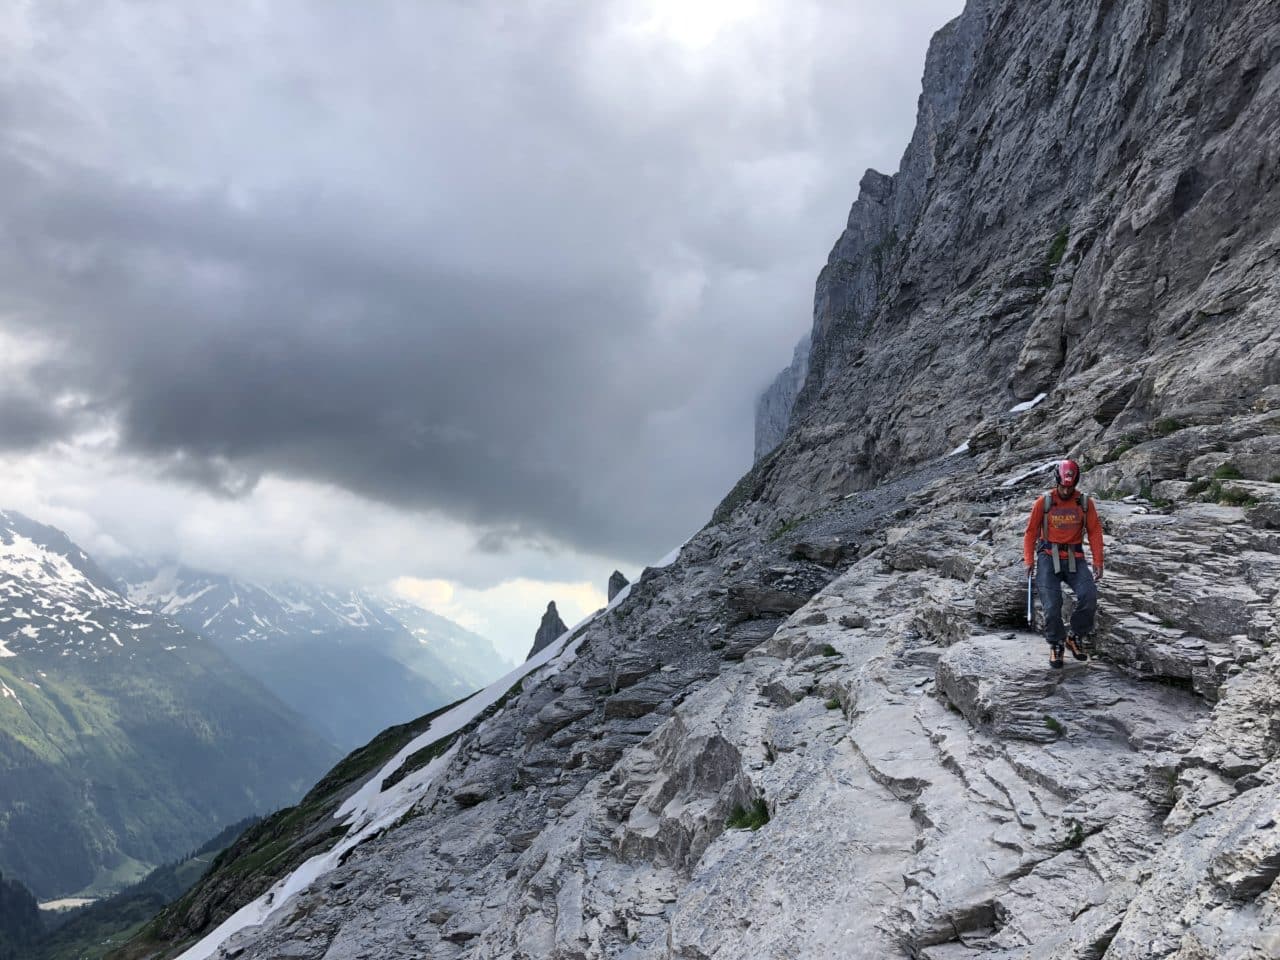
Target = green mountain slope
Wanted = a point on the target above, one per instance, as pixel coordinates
(91, 932)
(19, 919)
(124, 740)
(104, 774)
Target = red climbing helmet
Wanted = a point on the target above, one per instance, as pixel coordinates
(1067, 473)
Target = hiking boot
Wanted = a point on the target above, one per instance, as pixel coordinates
(1076, 646)
(1055, 656)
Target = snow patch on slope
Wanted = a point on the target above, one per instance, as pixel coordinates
(176, 603)
(22, 559)
(1027, 474)
(397, 800)
(156, 591)
(52, 600)
(1027, 404)
(371, 809)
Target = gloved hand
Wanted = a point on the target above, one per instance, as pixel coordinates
(1097, 575)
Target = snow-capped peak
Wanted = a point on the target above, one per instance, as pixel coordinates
(54, 600)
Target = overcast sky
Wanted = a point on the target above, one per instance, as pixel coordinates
(477, 294)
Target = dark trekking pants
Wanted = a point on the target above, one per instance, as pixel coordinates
(1049, 587)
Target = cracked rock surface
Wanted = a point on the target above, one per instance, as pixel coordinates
(931, 788)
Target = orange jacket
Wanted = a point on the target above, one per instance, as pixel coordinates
(1067, 524)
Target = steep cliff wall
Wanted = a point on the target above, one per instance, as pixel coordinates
(774, 406)
(1088, 207)
(823, 729)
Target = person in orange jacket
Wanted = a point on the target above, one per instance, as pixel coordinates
(1053, 549)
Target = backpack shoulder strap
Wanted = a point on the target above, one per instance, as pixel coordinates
(1048, 505)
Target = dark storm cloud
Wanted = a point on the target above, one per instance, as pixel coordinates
(36, 407)
(232, 344)
(507, 280)
(27, 420)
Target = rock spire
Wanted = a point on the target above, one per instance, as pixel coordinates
(550, 628)
(617, 583)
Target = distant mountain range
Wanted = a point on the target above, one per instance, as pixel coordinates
(350, 662)
(125, 739)
(144, 706)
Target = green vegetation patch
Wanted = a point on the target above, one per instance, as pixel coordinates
(1213, 491)
(1237, 498)
(20, 922)
(1054, 724)
(1198, 487)
(420, 758)
(516, 689)
(827, 650)
(1058, 248)
(1118, 451)
(1075, 838)
(90, 941)
(1167, 425)
(749, 818)
(833, 704)
(1159, 502)
(124, 874)
(1228, 471)
(92, 932)
(783, 529)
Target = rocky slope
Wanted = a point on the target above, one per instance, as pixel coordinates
(824, 731)
(351, 663)
(124, 740)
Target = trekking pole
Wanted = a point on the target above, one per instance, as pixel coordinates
(1030, 602)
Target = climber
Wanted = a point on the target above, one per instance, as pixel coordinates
(1055, 536)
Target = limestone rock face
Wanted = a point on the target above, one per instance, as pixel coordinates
(1084, 211)
(773, 408)
(771, 750)
(548, 630)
